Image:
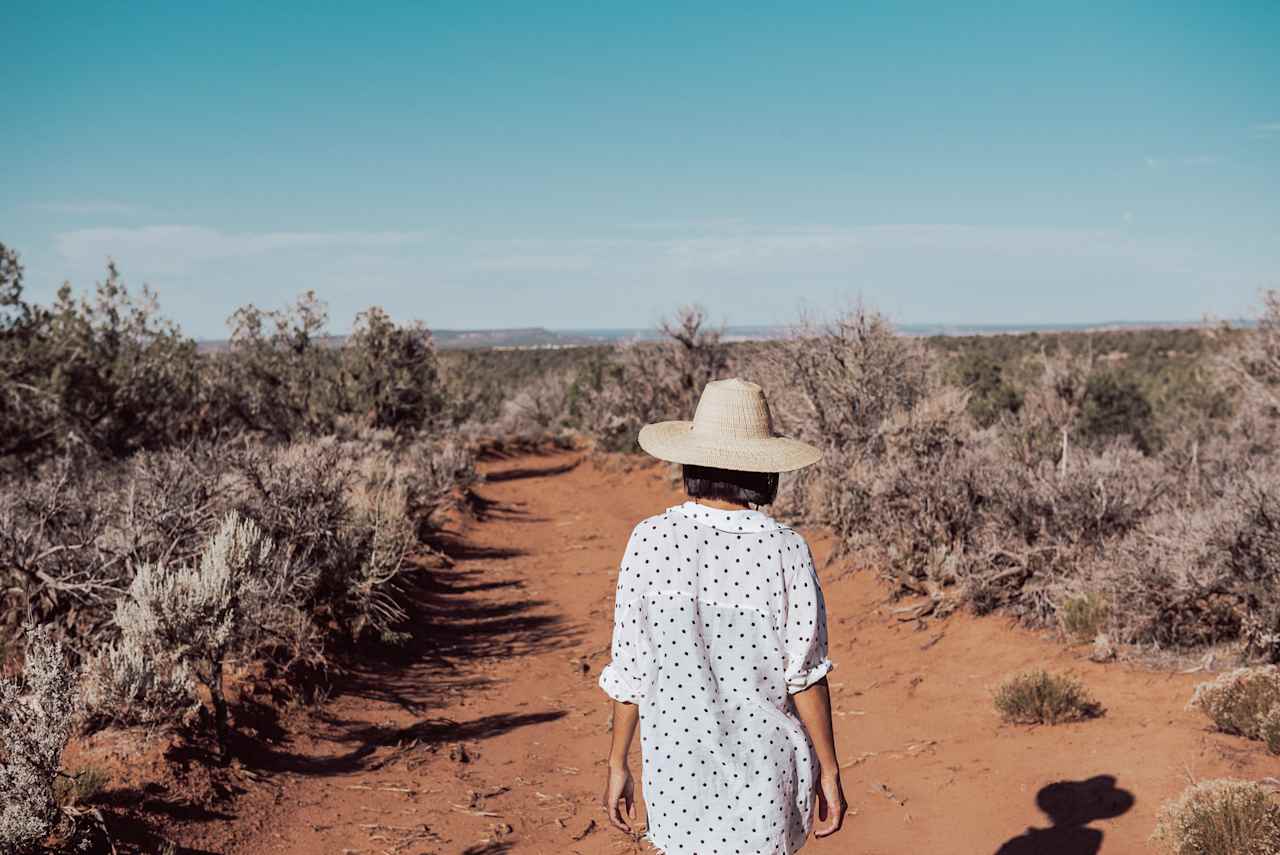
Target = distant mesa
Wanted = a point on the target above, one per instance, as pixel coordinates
(541, 337)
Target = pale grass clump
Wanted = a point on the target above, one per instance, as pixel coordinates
(1220, 817)
(37, 712)
(1244, 702)
(127, 685)
(1038, 697)
(384, 536)
(199, 615)
(435, 474)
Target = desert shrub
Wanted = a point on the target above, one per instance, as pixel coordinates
(540, 407)
(1083, 616)
(381, 535)
(36, 718)
(835, 385)
(1203, 575)
(1220, 817)
(72, 532)
(167, 503)
(392, 378)
(105, 371)
(28, 412)
(1102, 496)
(342, 510)
(280, 375)
(1001, 517)
(991, 395)
(618, 392)
(199, 615)
(126, 684)
(298, 495)
(55, 563)
(436, 474)
(1115, 406)
(1244, 702)
(1038, 697)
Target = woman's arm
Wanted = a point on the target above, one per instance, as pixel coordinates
(620, 793)
(813, 705)
(625, 717)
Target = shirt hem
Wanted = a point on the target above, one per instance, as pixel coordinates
(664, 849)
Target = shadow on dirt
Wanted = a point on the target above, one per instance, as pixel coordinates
(1071, 806)
(136, 799)
(459, 617)
(488, 849)
(428, 733)
(518, 472)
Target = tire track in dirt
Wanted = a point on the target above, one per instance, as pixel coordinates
(487, 733)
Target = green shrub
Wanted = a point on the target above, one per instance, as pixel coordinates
(1220, 817)
(991, 396)
(1038, 697)
(104, 371)
(1084, 616)
(392, 378)
(1115, 406)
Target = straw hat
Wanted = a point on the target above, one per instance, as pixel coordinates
(731, 429)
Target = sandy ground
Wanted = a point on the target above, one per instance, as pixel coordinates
(487, 734)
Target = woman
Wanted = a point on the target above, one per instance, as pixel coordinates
(720, 648)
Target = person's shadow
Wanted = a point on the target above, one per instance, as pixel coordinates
(1071, 806)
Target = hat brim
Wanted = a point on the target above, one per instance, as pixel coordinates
(676, 442)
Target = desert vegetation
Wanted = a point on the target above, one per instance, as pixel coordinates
(1220, 817)
(1038, 697)
(169, 518)
(174, 518)
(1244, 702)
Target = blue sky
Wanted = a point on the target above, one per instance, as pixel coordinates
(583, 165)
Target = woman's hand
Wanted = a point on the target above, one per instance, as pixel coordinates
(620, 798)
(831, 806)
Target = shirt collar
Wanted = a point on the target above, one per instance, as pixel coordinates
(733, 521)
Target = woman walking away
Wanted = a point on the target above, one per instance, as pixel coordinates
(720, 648)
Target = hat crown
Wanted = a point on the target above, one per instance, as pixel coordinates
(734, 409)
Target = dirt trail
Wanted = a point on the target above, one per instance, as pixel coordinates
(489, 735)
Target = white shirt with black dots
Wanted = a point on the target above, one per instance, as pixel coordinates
(718, 619)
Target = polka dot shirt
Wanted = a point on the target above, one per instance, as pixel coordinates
(718, 619)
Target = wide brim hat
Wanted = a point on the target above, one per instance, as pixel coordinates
(731, 429)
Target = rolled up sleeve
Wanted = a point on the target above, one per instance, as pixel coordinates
(805, 634)
(630, 674)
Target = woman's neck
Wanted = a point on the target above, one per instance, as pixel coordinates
(722, 505)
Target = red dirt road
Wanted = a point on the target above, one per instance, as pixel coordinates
(489, 735)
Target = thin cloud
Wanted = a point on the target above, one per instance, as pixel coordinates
(1266, 130)
(719, 255)
(176, 248)
(1192, 160)
(88, 208)
(818, 250)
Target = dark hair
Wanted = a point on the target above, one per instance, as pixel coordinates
(730, 485)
